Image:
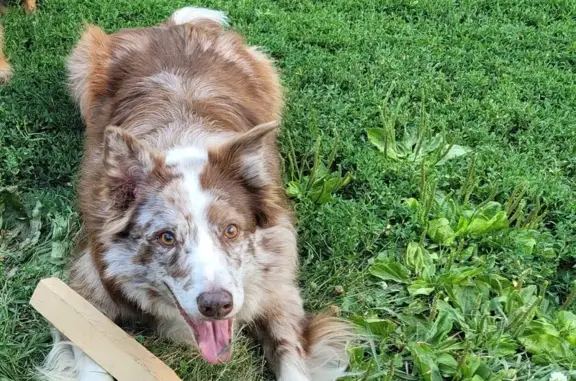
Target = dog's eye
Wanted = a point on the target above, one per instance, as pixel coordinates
(167, 239)
(231, 231)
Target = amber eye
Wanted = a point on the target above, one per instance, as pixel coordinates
(167, 239)
(231, 231)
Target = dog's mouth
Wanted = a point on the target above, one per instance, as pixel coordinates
(214, 337)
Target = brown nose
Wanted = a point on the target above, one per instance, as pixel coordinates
(215, 304)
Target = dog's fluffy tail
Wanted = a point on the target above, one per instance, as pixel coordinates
(190, 14)
(328, 340)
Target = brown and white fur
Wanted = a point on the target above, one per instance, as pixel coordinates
(181, 138)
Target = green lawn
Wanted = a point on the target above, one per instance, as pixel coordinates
(461, 269)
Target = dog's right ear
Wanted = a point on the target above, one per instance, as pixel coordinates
(128, 163)
(242, 156)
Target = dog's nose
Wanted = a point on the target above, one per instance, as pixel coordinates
(215, 304)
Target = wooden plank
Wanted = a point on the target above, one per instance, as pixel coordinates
(106, 343)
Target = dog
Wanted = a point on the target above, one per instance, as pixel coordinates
(185, 218)
(5, 68)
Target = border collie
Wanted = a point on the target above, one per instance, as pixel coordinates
(185, 219)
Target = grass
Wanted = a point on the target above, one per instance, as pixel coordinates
(488, 298)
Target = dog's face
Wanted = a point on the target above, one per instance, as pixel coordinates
(186, 224)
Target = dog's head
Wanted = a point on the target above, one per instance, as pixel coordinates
(184, 225)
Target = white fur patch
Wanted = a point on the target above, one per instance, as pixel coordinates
(291, 369)
(67, 362)
(210, 268)
(328, 373)
(190, 14)
(88, 370)
(171, 82)
(186, 155)
(195, 88)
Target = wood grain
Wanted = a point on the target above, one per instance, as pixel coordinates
(106, 343)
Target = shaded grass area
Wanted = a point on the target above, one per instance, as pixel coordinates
(496, 76)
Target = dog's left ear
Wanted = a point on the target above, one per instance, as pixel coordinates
(243, 156)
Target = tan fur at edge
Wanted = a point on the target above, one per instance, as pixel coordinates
(87, 68)
(5, 68)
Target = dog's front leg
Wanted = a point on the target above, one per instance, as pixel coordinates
(280, 330)
(66, 361)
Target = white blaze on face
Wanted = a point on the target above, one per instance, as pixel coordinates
(186, 155)
(210, 269)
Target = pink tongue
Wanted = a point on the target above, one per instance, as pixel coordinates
(214, 339)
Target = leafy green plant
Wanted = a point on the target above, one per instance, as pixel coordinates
(19, 227)
(446, 313)
(317, 183)
(454, 317)
(319, 186)
(416, 143)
